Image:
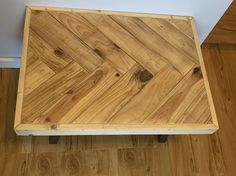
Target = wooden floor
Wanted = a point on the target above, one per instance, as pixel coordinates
(224, 31)
(195, 155)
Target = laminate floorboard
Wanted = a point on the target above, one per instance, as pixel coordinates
(225, 30)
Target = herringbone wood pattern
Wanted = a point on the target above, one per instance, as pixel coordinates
(112, 69)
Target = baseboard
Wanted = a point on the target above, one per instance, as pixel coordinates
(9, 62)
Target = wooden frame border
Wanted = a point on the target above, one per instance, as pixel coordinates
(103, 129)
(107, 12)
(99, 129)
(205, 77)
(21, 82)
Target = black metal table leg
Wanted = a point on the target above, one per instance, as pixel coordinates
(53, 139)
(162, 138)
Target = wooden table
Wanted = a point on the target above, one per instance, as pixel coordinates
(89, 72)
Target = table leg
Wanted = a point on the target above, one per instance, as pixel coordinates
(53, 139)
(162, 138)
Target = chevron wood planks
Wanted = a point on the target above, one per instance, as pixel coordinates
(99, 72)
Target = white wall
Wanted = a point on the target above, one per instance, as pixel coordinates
(206, 13)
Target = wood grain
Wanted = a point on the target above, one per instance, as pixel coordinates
(174, 35)
(93, 72)
(188, 91)
(81, 96)
(60, 38)
(39, 100)
(55, 58)
(116, 97)
(102, 45)
(38, 73)
(127, 42)
(225, 29)
(154, 41)
(127, 155)
(147, 100)
(183, 26)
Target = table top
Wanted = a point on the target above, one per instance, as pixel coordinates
(87, 72)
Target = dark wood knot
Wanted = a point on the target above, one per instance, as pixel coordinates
(47, 120)
(98, 52)
(54, 126)
(145, 75)
(197, 71)
(59, 52)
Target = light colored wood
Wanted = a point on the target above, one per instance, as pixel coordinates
(48, 93)
(204, 74)
(178, 100)
(127, 42)
(105, 77)
(54, 58)
(154, 40)
(183, 155)
(99, 73)
(183, 25)
(148, 99)
(177, 37)
(112, 129)
(63, 40)
(114, 99)
(107, 12)
(37, 74)
(20, 92)
(95, 39)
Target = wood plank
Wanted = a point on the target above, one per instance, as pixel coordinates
(183, 25)
(205, 76)
(9, 142)
(148, 59)
(109, 77)
(51, 31)
(48, 93)
(189, 104)
(95, 40)
(73, 129)
(201, 111)
(156, 43)
(20, 90)
(137, 162)
(38, 73)
(54, 58)
(116, 97)
(77, 95)
(220, 65)
(148, 99)
(174, 36)
(107, 12)
(14, 164)
(171, 104)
